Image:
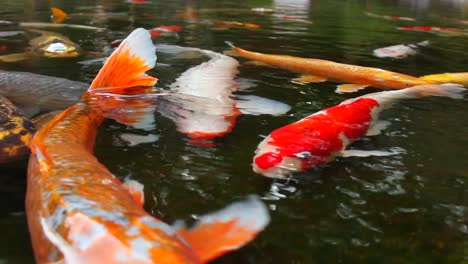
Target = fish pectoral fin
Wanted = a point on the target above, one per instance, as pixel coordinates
(377, 127)
(369, 153)
(228, 229)
(16, 57)
(306, 78)
(254, 105)
(258, 63)
(350, 87)
(136, 190)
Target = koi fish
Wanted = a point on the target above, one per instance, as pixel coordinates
(319, 138)
(462, 21)
(390, 17)
(230, 24)
(49, 25)
(58, 15)
(399, 51)
(78, 212)
(444, 31)
(16, 132)
(47, 44)
(203, 106)
(457, 77)
(315, 70)
(47, 94)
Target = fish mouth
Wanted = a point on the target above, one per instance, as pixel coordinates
(283, 170)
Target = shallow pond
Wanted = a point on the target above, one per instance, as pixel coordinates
(407, 208)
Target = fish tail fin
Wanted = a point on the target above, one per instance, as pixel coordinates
(234, 50)
(58, 15)
(451, 90)
(228, 229)
(423, 43)
(127, 65)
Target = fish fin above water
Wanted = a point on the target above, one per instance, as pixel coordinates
(127, 65)
(58, 15)
(255, 105)
(136, 190)
(377, 127)
(350, 87)
(303, 79)
(369, 153)
(15, 57)
(228, 229)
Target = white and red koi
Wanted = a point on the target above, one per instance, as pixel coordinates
(399, 51)
(387, 17)
(204, 106)
(78, 212)
(443, 31)
(319, 138)
(315, 70)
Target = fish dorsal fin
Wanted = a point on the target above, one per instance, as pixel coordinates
(127, 65)
(350, 88)
(228, 229)
(58, 15)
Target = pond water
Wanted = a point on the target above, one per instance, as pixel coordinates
(407, 208)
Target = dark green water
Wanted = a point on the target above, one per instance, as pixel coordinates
(409, 208)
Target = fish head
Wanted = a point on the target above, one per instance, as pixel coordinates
(55, 47)
(273, 162)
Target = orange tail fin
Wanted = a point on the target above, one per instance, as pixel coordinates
(127, 65)
(58, 15)
(228, 229)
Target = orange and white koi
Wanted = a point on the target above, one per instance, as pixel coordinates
(315, 70)
(204, 106)
(78, 212)
(319, 138)
(399, 51)
(387, 17)
(454, 77)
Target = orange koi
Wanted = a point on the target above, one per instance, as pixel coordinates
(315, 70)
(78, 212)
(456, 77)
(230, 24)
(319, 138)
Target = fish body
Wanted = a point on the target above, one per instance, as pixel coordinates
(16, 132)
(399, 51)
(319, 138)
(456, 77)
(387, 17)
(204, 106)
(47, 44)
(78, 212)
(235, 24)
(47, 94)
(98, 16)
(447, 31)
(316, 70)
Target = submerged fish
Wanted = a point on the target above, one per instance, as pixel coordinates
(443, 31)
(16, 132)
(47, 44)
(58, 15)
(35, 93)
(390, 17)
(78, 212)
(315, 70)
(235, 24)
(204, 105)
(454, 77)
(399, 51)
(319, 138)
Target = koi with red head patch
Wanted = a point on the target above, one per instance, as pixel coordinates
(319, 138)
(78, 212)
